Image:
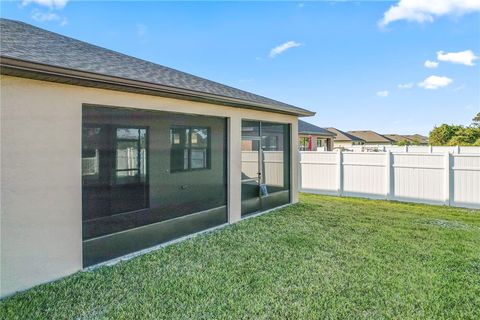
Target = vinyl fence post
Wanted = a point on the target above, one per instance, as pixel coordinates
(448, 180)
(430, 149)
(340, 173)
(388, 175)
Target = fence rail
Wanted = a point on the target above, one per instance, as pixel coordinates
(434, 178)
(415, 149)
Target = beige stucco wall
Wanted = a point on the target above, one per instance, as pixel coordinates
(40, 232)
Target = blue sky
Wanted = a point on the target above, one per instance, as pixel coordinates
(337, 58)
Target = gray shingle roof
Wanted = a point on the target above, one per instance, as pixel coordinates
(397, 137)
(370, 136)
(343, 136)
(25, 42)
(412, 138)
(308, 128)
(417, 137)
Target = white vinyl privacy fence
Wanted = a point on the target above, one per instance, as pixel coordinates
(435, 178)
(416, 149)
(272, 166)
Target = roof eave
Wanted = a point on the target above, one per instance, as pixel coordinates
(318, 133)
(33, 70)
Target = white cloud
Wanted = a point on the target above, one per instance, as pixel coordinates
(463, 57)
(283, 47)
(40, 16)
(427, 10)
(430, 64)
(435, 82)
(57, 4)
(405, 85)
(382, 94)
(52, 5)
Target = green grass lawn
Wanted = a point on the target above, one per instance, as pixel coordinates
(325, 257)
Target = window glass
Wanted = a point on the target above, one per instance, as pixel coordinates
(127, 155)
(132, 183)
(199, 158)
(275, 156)
(143, 138)
(179, 137)
(114, 169)
(178, 159)
(270, 143)
(272, 136)
(91, 153)
(250, 159)
(127, 176)
(127, 133)
(250, 128)
(130, 153)
(200, 137)
(189, 148)
(266, 167)
(175, 138)
(143, 154)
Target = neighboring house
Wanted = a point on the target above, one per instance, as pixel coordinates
(344, 140)
(104, 154)
(313, 138)
(415, 139)
(371, 137)
(397, 138)
(418, 139)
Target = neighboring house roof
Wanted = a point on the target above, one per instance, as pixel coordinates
(418, 137)
(28, 51)
(397, 137)
(370, 136)
(308, 128)
(343, 136)
(412, 138)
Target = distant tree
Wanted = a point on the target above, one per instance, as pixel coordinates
(454, 135)
(441, 135)
(403, 142)
(466, 136)
(476, 120)
(416, 142)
